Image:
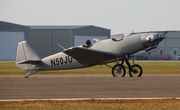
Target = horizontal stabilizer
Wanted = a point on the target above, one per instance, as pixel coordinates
(29, 62)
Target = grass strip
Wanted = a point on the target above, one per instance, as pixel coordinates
(9, 68)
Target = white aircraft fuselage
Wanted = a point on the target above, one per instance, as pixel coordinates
(64, 60)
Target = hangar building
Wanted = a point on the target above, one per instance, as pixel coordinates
(10, 35)
(48, 37)
(45, 39)
(168, 49)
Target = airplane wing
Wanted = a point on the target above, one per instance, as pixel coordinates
(87, 56)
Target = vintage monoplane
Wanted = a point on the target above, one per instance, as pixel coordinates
(117, 50)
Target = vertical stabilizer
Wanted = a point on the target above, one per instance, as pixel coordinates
(26, 56)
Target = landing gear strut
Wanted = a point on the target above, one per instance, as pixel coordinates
(29, 73)
(119, 70)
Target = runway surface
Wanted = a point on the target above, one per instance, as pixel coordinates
(88, 86)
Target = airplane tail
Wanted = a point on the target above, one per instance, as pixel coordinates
(26, 58)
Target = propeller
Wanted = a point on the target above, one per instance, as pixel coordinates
(165, 32)
(161, 36)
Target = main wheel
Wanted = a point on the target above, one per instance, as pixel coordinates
(118, 70)
(137, 71)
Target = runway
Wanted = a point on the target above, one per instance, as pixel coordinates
(88, 86)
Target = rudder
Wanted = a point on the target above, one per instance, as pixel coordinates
(26, 56)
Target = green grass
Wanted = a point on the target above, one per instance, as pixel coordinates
(9, 68)
(160, 67)
(158, 104)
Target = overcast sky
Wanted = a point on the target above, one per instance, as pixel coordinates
(121, 16)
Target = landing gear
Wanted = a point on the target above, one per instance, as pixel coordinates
(137, 71)
(30, 73)
(119, 70)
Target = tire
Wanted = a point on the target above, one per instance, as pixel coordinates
(138, 71)
(118, 70)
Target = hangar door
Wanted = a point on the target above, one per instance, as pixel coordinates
(81, 40)
(8, 45)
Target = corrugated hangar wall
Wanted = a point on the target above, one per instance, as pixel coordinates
(40, 41)
(45, 39)
(172, 39)
(170, 47)
(62, 37)
(10, 35)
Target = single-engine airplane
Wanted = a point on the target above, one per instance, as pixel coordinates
(101, 52)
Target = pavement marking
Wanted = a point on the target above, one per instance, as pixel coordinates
(79, 99)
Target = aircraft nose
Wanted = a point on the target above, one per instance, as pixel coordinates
(161, 36)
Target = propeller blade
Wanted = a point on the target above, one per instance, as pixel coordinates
(165, 32)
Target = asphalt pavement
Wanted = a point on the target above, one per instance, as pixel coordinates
(88, 86)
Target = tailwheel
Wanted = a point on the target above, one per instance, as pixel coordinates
(137, 71)
(118, 70)
(30, 73)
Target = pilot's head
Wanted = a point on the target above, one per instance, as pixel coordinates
(88, 42)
